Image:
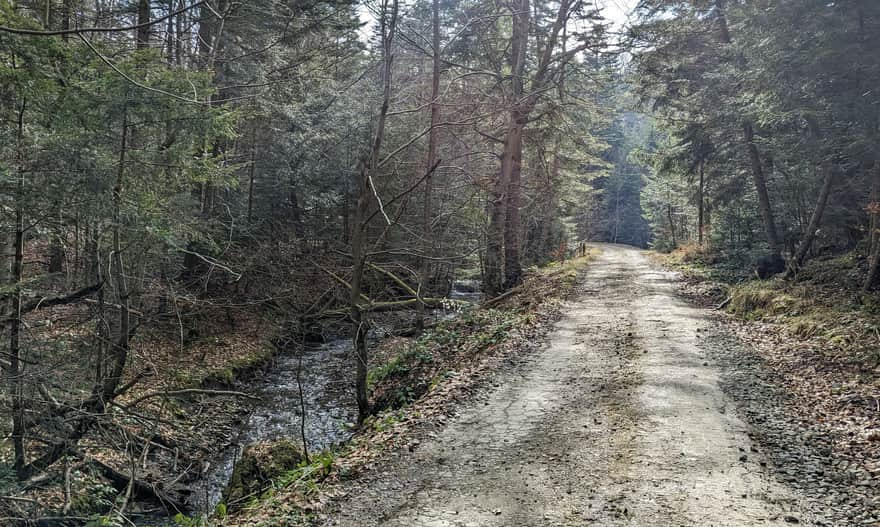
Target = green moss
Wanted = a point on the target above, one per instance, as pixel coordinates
(260, 466)
(401, 364)
(232, 370)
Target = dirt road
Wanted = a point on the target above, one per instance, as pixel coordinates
(618, 420)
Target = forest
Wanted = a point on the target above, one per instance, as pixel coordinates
(248, 246)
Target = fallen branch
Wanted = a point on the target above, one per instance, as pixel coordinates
(722, 305)
(499, 298)
(169, 393)
(114, 306)
(399, 281)
(383, 307)
(339, 279)
(121, 482)
(75, 296)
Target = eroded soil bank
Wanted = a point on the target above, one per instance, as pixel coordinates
(635, 412)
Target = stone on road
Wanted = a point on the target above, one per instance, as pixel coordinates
(617, 420)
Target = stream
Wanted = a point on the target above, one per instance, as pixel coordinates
(328, 393)
(330, 410)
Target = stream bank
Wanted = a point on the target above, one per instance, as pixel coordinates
(415, 383)
(320, 373)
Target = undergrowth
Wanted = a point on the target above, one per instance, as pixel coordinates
(824, 301)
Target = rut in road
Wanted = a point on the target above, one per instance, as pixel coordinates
(617, 420)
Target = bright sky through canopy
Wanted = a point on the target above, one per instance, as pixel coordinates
(617, 12)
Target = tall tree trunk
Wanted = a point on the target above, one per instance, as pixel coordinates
(251, 168)
(15, 369)
(760, 183)
(369, 171)
(701, 204)
(874, 207)
(551, 204)
(512, 241)
(671, 218)
(143, 16)
(493, 279)
(169, 35)
(815, 220)
(122, 292)
(758, 178)
(514, 143)
(56, 243)
(427, 211)
(179, 38)
(65, 21)
(359, 325)
(502, 244)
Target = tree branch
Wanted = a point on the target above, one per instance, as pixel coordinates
(78, 31)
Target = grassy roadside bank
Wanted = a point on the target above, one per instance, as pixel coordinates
(416, 383)
(823, 305)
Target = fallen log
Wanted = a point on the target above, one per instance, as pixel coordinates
(142, 489)
(502, 296)
(379, 307)
(189, 391)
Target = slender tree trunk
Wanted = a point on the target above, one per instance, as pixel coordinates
(493, 279)
(346, 213)
(65, 21)
(873, 209)
(369, 171)
(815, 220)
(120, 351)
(874, 206)
(250, 199)
(56, 245)
(748, 132)
(179, 38)
(15, 369)
(760, 183)
(169, 35)
(358, 321)
(671, 219)
(551, 204)
(427, 211)
(700, 204)
(293, 203)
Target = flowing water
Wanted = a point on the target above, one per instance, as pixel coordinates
(330, 409)
(327, 393)
(466, 291)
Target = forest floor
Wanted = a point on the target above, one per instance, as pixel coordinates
(639, 409)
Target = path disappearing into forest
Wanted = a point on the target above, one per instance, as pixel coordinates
(618, 420)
